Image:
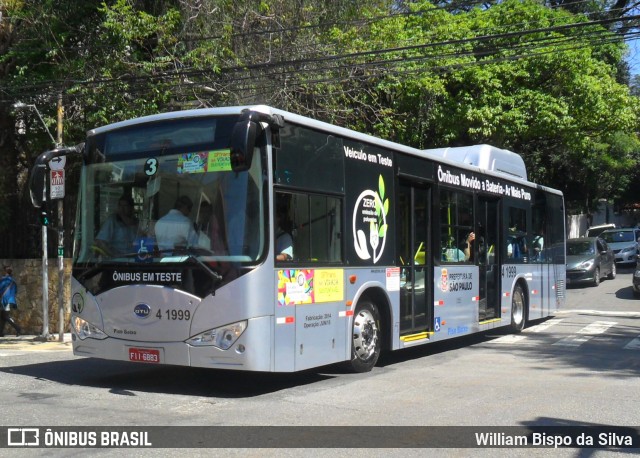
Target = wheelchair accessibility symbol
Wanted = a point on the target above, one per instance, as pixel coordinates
(436, 325)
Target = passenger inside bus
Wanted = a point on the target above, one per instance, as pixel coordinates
(451, 253)
(516, 246)
(203, 223)
(283, 239)
(538, 245)
(175, 229)
(117, 234)
(210, 233)
(468, 246)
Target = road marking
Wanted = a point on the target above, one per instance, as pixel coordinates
(509, 339)
(544, 326)
(587, 333)
(633, 345)
(597, 327)
(514, 338)
(600, 313)
(573, 341)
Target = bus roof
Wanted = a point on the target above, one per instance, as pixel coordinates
(486, 157)
(481, 158)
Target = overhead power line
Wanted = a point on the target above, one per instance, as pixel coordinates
(298, 64)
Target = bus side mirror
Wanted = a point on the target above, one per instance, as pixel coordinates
(243, 140)
(38, 176)
(243, 137)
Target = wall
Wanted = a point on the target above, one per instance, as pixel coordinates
(577, 225)
(28, 275)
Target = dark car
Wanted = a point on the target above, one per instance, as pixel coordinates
(588, 260)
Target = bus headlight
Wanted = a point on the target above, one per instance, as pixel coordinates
(223, 337)
(84, 329)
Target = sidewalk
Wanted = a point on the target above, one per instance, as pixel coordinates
(35, 343)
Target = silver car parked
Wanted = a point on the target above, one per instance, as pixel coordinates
(588, 260)
(624, 243)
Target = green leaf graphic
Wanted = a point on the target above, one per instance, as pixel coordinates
(381, 187)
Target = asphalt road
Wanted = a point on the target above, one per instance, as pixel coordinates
(580, 367)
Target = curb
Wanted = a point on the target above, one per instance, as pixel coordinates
(31, 342)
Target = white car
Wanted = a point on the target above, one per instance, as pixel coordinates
(595, 231)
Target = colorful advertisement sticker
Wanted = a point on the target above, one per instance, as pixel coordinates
(295, 286)
(192, 163)
(219, 161)
(328, 285)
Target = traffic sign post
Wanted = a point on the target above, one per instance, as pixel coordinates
(57, 184)
(58, 163)
(57, 175)
(57, 192)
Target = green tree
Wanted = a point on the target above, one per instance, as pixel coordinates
(545, 82)
(516, 75)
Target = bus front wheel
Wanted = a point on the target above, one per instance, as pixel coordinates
(366, 342)
(518, 304)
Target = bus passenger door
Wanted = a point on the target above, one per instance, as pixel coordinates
(487, 258)
(414, 258)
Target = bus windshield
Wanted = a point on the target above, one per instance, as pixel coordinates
(158, 193)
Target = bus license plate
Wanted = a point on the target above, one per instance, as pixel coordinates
(144, 355)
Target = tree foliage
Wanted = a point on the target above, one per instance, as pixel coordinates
(547, 81)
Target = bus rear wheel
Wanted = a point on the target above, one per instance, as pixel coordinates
(366, 342)
(518, 304)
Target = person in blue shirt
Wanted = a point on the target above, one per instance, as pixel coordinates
(117, 235)
(8, 291)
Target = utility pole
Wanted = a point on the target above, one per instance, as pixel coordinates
(45, 265)
(60, 111)
(45, 217)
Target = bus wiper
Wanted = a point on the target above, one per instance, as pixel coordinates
(193, 255)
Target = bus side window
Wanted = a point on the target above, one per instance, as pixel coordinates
(312, 224)
(283, 240)
(456, 219)
(517, 234)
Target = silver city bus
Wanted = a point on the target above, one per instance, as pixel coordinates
(255, 239)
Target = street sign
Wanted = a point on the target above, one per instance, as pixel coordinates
(57, 184)
(57, 163)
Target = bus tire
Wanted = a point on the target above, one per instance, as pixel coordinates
(366, 341)
(518, 306)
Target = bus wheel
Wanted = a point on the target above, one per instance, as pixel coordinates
(366, 342)
(517, 309)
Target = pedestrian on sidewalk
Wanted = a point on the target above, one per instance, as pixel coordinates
(8, 291)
